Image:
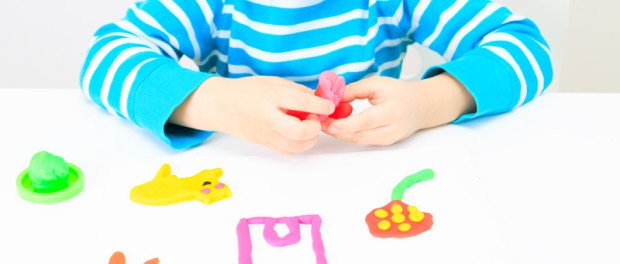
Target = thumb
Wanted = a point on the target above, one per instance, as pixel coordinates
(362, 89)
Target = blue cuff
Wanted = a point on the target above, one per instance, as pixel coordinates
(165, 88)
(487, 78)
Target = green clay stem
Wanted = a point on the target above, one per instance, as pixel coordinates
(399, 190)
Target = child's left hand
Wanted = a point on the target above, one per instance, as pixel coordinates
(399, 108)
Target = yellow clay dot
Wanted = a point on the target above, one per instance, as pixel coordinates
(384, 225)
(404, 227)
(398, 218)
(381, 213)
(396, 209)
(412, 209)
(416, 216)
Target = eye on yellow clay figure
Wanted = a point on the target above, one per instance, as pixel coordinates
(167, 189)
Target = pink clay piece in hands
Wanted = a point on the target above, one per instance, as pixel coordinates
(331, 87)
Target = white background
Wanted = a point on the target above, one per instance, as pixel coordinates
(43, 43)
(512, 189)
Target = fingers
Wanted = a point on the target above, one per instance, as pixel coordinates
(287, 146)
(370, 118)
(380, 136)
(290, 84)
(291, 128)
(292, 96)
(363, 89)
(290, 136)
(291, 99)
(373, 126)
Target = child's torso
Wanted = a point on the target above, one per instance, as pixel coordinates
(300, 39)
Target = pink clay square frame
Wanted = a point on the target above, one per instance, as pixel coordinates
(272, 237)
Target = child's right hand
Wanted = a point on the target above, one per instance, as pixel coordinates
(254, 109)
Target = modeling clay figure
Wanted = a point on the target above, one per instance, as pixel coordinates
(119, 258)
(331, 87)
(48, 172)
(167, 189)
(272, 237)
(397, 219)
(49, 179)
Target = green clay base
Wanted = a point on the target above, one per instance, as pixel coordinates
(26, 190)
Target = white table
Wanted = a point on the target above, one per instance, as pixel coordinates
(538, 185)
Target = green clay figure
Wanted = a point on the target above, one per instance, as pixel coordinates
(48, 173)
(49, 179)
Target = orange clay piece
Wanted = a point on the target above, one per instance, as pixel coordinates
(397, 219)
(119, 258)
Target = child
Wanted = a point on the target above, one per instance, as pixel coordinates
(257, 58)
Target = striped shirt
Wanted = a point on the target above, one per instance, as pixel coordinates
(132, 68)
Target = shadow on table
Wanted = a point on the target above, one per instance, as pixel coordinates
(222, 143)
(226, 144)
(480, 122)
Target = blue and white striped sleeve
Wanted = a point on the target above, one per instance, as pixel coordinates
(132, 70)
(501, 58)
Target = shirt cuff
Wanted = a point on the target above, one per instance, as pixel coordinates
(487, 78)
(159, 94)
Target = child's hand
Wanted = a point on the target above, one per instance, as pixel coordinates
(400, 108)
(253, 108)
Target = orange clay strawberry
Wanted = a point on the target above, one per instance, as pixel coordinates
(397, 219)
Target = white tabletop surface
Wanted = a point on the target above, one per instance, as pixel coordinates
(537, 185)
